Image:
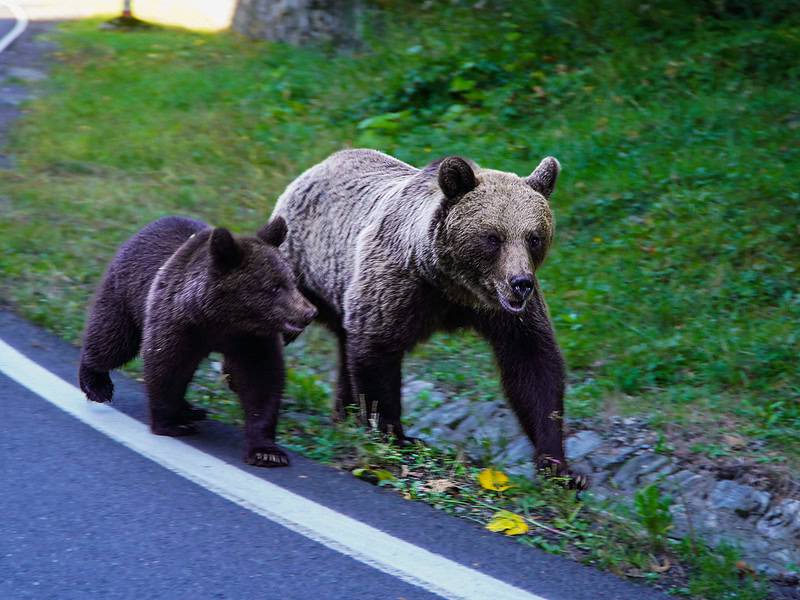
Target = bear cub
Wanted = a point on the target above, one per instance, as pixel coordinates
(179, 290)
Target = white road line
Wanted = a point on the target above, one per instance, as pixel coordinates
(20, 26)
(352, 538)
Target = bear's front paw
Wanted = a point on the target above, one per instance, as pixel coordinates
(557, 471)
(173, 430)
(267, 456)
(96, 385)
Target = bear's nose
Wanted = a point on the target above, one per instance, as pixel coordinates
(521, 285)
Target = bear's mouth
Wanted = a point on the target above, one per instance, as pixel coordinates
(511, 305)
(292, 328)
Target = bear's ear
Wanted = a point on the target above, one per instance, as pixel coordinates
(225, 252)
(274, 232)
(543, 178)
(456, 177)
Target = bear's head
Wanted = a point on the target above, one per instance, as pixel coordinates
(251, 288)
(495, 232)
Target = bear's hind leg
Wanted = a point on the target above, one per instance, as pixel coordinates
(112, 339)
(257, 375)
(344, 399)
(376, 381)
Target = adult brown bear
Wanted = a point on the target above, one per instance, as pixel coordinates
(390, 254)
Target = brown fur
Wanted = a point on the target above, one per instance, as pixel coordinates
(390, 254)
(178, 290)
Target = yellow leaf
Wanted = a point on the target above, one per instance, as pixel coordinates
(374, 476)
(507, 522)
(492, 479)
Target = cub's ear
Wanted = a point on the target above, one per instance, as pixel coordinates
(543, 178)
(274, 232)
(225, 251)
(456, 177)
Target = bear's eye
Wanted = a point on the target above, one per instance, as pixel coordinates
(275, 289)
(493, 241)
(534, 242)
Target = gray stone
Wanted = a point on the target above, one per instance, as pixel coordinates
(525, 469)
(581, 444)
(629, 473)
(480, 413)
(449, 414)
(782, 522)
(744, 500)
(604, 460)
(26, 74)
(520, 450)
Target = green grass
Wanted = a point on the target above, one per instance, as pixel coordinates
(673, 281)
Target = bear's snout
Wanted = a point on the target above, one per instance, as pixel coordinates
(521, 286)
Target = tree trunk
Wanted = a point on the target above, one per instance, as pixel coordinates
(299, 22)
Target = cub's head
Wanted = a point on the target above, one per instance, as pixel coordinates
(496, 230)
(251, 287)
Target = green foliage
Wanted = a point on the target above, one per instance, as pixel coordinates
(652, 507)
(718, 575)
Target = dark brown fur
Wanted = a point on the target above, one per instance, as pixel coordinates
(391, 254)
(178, 290)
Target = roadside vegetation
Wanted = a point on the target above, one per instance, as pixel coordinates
(673, 281)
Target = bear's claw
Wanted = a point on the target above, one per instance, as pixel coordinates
(271, 456)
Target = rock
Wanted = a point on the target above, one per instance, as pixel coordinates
(581, 444)
(519, 451)
(782, 522)
(629, 474)
(449, 414)
(420, 395)
(480, 414)
(604, 460)
(742, 499)
(683, 480)
(525, 469)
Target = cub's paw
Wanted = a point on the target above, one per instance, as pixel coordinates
(173, 429)
(97, 386)
(267, 456)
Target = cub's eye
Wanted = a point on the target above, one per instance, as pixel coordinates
(275, 289)
(534, 242)
(493, 241)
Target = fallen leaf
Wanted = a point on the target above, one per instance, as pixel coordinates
(374, 476)
(507, 522)
(438, 486)
(660, 568)
(492, 479)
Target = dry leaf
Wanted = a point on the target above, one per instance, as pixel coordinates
(438, 486)
(492, 479)
(659, 568)
(507, 522)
